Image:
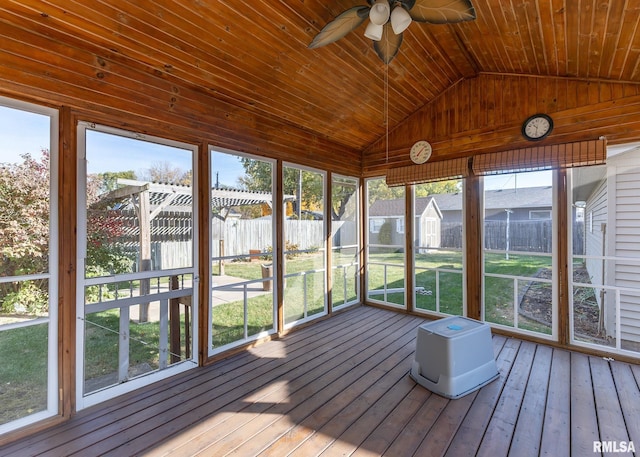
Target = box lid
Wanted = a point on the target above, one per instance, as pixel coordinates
(451, 327)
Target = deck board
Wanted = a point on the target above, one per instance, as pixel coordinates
(341, 387)
(611, 423)
(556, 426)
(584, 417)
(528, 431)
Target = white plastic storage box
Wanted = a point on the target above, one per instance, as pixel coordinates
(454, 356)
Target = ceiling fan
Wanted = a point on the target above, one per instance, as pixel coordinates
(387, 21)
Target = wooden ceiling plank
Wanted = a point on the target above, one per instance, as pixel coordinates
(173, 70)
(586, 18)
(598, 35)
(486, 55)
(609, 40)
(572, 21)
(511, 36)
(626, 54)
(135, 100)
(268, 87)
(539, 25)
(558, 43)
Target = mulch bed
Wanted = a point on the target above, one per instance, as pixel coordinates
(537, 299)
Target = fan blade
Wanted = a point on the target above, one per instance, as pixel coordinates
(340, 26)
(442, 11)
(388, 46)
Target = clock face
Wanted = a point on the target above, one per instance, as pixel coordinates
(537, 127)
(420, 152)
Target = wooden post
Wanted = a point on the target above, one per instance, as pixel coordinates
(174, 323)
(144, 220)
(409, 249)
(473, 236)
(278, 248)
(329, 244)
(221, 261)
(564, 257)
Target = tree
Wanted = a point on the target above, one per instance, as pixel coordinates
(258, 178)
(105, 226)
(343, 194)
(164, 172)
(24, 233)
(107, 180)
(438, 187)
(24, 219)
(377, 189)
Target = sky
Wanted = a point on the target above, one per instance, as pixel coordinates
(25, 132)
(521, 180)
(108, 152)
(22, 132)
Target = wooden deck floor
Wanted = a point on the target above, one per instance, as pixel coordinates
(340, 387)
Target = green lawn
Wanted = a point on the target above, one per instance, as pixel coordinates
(448, 286)
(23, 376)
(102, 339)
(23, 380)
(499, 292)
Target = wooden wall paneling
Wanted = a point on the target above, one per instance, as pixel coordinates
(173, 52)
(514, 110)
(594, 92)
(589, 110)
(93, 81)
(230, 137)
(562, 95)
(547, 95)
(454, 101)
(494, 102)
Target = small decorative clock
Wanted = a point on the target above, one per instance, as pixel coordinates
(420, 152)
(537, 127)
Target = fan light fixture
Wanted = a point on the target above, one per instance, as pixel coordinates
(388, 20)
(379, 12)
(374, 31)
(400, 20)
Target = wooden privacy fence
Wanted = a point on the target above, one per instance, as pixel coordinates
(526, 236)
(243, 235)
(171, 244)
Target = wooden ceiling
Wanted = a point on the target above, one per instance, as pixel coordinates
(253, 55)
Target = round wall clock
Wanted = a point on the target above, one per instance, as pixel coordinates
(537, 127)
(420, 152)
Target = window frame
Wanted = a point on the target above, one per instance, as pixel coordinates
(52, 275)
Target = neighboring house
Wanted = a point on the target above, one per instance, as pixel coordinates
(443, 212)
(387, 215)
(526, 203)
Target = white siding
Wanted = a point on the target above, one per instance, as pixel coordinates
(625, 240)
